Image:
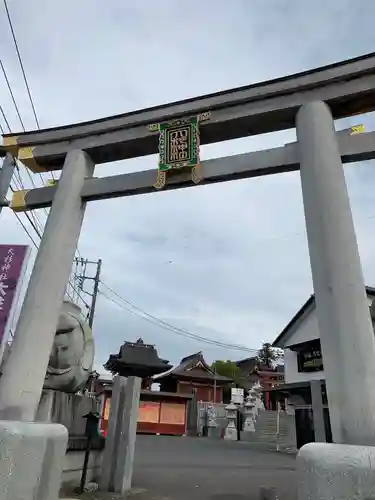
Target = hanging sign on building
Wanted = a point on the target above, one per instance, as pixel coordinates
(179, 144)
(12, 266)
(310, 359)
(237, 396)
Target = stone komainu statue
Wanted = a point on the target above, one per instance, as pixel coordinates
(72, 355)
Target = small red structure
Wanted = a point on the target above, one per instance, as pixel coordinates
(194, 376)
(159, 412)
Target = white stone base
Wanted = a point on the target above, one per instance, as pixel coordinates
(230, 434)
(31, 460)
(336, 471)
(249, 425)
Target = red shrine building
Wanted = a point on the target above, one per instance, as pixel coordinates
(194, 376)
(168, 410)
(252, 372)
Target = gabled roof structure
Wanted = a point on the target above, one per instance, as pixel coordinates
(252, 364)
(301, 314)
(193, 367)
(138, 359)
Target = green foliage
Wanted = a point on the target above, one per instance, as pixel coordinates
(268, 355)
(226, 369)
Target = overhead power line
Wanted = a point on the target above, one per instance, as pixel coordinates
(142, 314)
(11, 90)
(37, 226)
(26, 230)
(5, 118)
(21, 63)
(33, 217)
(34, 221)
(11, 94)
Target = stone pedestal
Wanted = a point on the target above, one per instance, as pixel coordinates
(66, 409)
(336, 471)
(31, 460)
(231, 429)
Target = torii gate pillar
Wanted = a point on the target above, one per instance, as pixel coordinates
(346, 334)
(32, 453)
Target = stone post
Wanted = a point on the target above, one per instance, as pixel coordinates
(231, 429)
(110, 453)
(346, 333)
(118, 457)
(125, 457)
(211, 421)
(318, 411)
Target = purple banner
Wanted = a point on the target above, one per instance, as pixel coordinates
(12, 258)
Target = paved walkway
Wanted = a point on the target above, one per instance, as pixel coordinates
(184, 468)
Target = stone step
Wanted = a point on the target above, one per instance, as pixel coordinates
(270, 432)
(273, 430)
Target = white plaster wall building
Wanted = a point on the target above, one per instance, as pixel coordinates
(304, 388)
(299, 339)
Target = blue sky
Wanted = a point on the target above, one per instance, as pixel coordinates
(229, 261)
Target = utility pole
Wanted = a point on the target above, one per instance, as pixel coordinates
(95, 292)
(6, 174)
(215, 384)
(96, 279)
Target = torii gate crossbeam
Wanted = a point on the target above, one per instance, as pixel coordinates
(352, 148)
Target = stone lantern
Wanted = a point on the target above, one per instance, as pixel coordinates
(249, 407)
(231, 430)
(259, 405)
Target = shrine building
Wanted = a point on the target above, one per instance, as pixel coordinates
(194, 376)
(159, 412)
(171, 410)
(253, 372)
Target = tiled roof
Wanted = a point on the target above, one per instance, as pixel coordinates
(193, 366)
(137, 354)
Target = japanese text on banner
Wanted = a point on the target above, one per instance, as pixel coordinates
(6, 265)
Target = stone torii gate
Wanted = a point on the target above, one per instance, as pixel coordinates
(308, 101)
